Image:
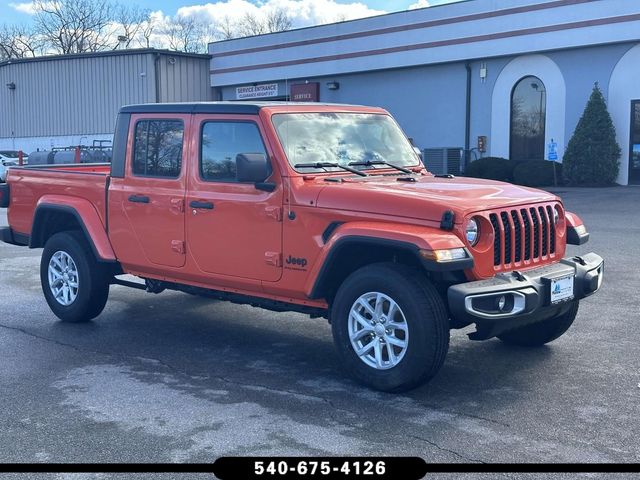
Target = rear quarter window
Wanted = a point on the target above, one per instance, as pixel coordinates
(158, 148)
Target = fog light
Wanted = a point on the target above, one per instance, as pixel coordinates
(502, 302)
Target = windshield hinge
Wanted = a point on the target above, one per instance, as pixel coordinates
(275, 213)
(273, 258)
(178, 246)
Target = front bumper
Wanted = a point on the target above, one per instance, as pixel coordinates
(525, 297)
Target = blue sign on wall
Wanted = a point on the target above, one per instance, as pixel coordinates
(552, 150)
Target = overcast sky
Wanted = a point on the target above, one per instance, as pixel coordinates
(303, 12)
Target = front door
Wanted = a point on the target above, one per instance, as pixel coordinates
(233, 229)
(634, 154)
(151, 196)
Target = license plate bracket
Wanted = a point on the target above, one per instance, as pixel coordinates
(561, 289)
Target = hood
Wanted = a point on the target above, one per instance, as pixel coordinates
(426, 198)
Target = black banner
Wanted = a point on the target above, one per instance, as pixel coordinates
(332, 468)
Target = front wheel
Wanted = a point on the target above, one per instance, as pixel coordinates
(538, 334)
(390, 327)
(74, 284)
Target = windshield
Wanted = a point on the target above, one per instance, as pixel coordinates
(343, 138)
(9, 154)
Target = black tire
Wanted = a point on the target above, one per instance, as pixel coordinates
(425, 316)
(538, 334)
(93, 281)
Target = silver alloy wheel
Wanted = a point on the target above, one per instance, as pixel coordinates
(378, 330)
(63, 278)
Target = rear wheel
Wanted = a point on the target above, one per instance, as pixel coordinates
(538, 334)
(74, 284)
(390, 327)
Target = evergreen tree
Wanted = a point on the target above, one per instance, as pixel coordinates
(592, 156)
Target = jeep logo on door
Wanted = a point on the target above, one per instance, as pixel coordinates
(297, 262)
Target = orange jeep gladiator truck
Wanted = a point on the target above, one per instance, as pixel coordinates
(314, 208)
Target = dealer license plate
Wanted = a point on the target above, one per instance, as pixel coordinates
(562, 289)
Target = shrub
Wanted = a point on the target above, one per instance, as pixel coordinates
(537, 173)
(492, 168)
(592, 156)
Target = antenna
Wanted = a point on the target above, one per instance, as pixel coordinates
(286, 134)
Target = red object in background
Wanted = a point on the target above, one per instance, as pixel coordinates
(76, 159)
(305, 92)
(20, 157)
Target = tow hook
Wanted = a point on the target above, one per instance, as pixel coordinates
(519, 276)
(580, 260)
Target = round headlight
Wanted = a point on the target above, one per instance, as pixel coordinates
(556, 215)
(471, 232)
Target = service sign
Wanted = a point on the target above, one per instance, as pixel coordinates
(305, 92)
(257, 91)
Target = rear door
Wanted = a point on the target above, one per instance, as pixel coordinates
(233, 229)
(150, 229)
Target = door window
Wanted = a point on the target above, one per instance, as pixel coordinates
(158, 148)
(221, 142)
(528, 117)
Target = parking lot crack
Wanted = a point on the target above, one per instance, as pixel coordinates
(43, 338)
(443, 449)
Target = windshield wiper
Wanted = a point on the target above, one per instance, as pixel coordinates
(329, 165)
(369, 163)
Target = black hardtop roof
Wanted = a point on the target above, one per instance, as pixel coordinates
(215, 107)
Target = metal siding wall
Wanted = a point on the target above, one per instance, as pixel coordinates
(72, 96)
(187, 80)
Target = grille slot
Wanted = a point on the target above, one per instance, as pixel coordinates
(517, 235)
(507, 237)
(527, 234)
(497, 239)
(545, 230)
(552, 238)
(536, 232)
(523, 235)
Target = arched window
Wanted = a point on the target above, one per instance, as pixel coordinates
(528, 116)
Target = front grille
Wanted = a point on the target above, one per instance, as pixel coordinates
(523, 236)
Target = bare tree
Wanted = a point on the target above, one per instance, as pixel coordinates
(250, 25)
(186, 34)
(131, 21)
(226, 29)
(147, 29)
(74, 26)
(18, 41)
(275, 20)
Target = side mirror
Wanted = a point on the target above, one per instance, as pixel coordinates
(253, 168)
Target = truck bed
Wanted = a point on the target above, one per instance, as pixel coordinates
(33, 185)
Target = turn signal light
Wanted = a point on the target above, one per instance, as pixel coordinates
(444, 255)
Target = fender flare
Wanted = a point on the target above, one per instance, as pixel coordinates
(86, 216)
(575, 234)
(409, 238)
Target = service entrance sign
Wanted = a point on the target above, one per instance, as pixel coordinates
(257, 91)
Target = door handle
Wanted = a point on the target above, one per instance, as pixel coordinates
(199, 204)
(138, 198)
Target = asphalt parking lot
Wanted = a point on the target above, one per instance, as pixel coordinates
(175, 378)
